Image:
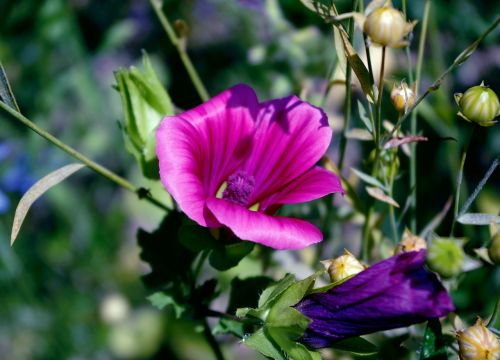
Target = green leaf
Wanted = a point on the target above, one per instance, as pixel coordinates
(6, 94)
(294, 349)
(168, 258)
(37, 190)
(162, 299)
(478, 219)
(272, 292)
(196, 238)
(364, 117)
(433, 345)
(263, 343)
(369, 179)
(225, 257)
(245, 293)
(356, 346)
(228, 326)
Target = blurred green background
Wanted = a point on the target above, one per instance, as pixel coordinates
(70, 287)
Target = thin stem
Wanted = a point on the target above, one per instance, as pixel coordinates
(413, 146)
(459, 182)
(101, 170)
(378, 114)
(435, 86)
(347, 102)
(365, 245)
(211, 341)
(180, 45)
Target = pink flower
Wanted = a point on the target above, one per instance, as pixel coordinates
(233, 162)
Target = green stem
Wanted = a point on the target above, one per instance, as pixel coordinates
(378, 114)
(347, 102)
(181, 49)
(413, 146)
(101, 170)
(458, 61)
(211, 341)
(459, 182)
(494, 315)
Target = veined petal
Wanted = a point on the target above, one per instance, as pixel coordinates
(311, 185)
(393, 293)
(200, 148)
(291, 137)
(278, 232)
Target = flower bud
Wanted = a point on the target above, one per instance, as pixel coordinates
(494, 249)
(402, 97)
(387, 26)
(445, 256)
(479, 104)
(478, 343)
(343, 267)
(410, 242)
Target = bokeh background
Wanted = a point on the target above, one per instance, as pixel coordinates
(70, 287)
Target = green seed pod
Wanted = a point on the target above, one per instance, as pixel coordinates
(387, 26)
(478, 343)
(494, 249)
(445, 256)
(479, 105)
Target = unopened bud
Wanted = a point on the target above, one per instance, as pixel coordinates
(343, 267)
(402, 97)
(478, 343)
(387, 26)
(445, 256)
(494, 249)
(479, 105)
(410, 242)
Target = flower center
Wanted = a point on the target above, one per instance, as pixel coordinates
(240, 186)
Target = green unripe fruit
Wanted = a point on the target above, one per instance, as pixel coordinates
(494, 249)
(385, 26)
(479, 104)
(445, 256)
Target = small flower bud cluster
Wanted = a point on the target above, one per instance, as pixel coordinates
(343, 267)
(478, 343)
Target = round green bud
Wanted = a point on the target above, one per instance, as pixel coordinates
(494, 249)
(445, 256)
(480, 105)
(386, 26)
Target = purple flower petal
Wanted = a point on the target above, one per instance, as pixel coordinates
(311, 185)
(291, 137)
(200, 148)
(278, 232)
(393, 293)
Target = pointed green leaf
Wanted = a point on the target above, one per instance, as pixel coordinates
(262, 343)
(356, 346)
(433, 346)
(272, 292)
(294, 349)
(6, 94)
(369, 179)
(37, 190)
(225, 257)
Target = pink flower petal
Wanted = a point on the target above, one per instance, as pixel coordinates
(311, 185)
(291, 137)
(278, 232)
(200, 148)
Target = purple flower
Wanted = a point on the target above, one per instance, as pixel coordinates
(393, 293)
(233, 162)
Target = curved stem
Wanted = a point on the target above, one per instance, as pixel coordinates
(101, 170)
(211, 341)
(181, 49)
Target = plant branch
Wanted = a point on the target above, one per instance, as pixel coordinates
(101, 170)
(180, 45)
(211, 341)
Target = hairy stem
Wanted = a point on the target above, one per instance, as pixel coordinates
(181, 49)
(101, 170)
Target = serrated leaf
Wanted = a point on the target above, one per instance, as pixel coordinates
(6, 94)
(162, 299)
(357, 346)
(369, 179)
(478, 219)
(37, 190)
(395, 142)
(272, 292)
(379, 194)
